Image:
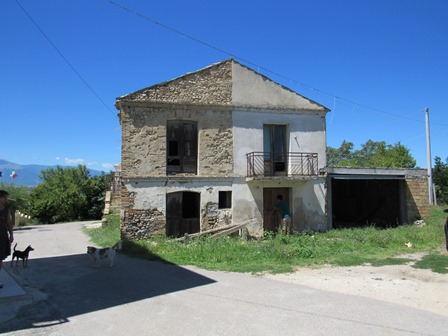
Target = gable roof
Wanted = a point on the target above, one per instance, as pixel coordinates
(227, 83)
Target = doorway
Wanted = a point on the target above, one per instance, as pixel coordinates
(271, 221)
(182, 213)
(274, 149)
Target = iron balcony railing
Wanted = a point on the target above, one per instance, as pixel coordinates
(281, 164)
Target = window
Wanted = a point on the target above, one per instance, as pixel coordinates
(181, 147)
(225, 199)
(275, 153)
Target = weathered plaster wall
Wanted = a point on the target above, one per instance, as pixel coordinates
(307, 203)
(248, 205)
(255, 90)
(309, 206)
(149, 204)
(306, 134)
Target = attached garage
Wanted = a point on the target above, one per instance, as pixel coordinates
(380, 197)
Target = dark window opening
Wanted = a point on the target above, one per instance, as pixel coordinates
(173, 162)
(225, 199)
(173, 148)
(181, 147)
(190, 205)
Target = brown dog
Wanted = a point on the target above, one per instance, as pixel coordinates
(22, 255)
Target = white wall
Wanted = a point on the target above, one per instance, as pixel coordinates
(152, 194)
(306, 133)
(307, 203)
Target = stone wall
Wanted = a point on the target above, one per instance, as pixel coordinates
(213, 217)
(126, 198)
(142, 224)
(417, 198)
(209, 86)
(144, 140)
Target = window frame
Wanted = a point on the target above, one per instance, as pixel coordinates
(182, 147)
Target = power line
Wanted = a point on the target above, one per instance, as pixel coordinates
(64, 58)
(309, 87)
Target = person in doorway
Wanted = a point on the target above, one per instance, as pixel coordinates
(282, 208)
(6, 232)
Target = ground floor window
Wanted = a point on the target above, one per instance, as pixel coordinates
(225, 199)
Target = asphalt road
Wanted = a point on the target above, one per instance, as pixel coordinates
(139, 297)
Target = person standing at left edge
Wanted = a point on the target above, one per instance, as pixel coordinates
(5, 229)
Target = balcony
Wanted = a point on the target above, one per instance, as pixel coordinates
(292, 164)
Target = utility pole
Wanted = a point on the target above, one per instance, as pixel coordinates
(428, 157)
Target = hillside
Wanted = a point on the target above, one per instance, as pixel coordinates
(27, 175)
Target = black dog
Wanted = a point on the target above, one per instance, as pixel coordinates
(22, 255)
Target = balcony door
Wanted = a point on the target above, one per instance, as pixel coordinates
(274, 148)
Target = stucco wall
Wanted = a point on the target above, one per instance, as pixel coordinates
(149, 204)
(307, 203)
(306, 134)
(252, 89)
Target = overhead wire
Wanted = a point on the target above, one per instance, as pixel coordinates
(267, 70)
(253, 64)
(65, 58)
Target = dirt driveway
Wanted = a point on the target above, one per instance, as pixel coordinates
(402, 284)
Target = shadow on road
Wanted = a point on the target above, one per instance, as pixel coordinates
(73, 287)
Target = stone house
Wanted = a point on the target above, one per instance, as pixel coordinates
(213, 148)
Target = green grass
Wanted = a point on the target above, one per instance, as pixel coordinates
(108, 235)
(435, 262)
(280, 254)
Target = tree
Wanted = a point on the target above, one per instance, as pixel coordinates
(371, 155)
(440, 179)
(67, 194)
(95, 190)
(18, 196)
(342, 156)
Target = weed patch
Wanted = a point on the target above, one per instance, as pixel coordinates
(277, 253)
(435, 262)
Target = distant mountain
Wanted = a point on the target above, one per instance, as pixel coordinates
(27, 175)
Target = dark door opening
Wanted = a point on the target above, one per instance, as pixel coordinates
(182, 213)
(271, 222)
(366, 202)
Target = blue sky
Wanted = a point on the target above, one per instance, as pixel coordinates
(375, 64)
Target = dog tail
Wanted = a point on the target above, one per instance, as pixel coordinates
(118, 246)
